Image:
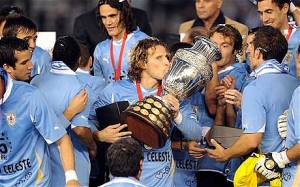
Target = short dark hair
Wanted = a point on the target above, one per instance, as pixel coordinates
(20, 24)
(85, 55)
(179, 45)
(123, 157)
(279, 3)
(67, 49)
(271, 42)
(253, 30)
(9, 11)
(230, 31)
(8, 48)
(126, 14)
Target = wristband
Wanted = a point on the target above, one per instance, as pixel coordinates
(70, 175)
(292, 7)
(181, 145)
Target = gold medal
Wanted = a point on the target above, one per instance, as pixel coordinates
(159, 124)
(144, 112)
(162, 117)
(149, 100)
(165, 132)
(152, 117)
(155, 111)
(140, 103)
(136, 108)
(157, 104)
(164, 110)
(147, 106)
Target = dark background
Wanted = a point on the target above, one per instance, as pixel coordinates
(165, 15)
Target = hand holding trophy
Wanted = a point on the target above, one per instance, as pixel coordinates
(149, 120)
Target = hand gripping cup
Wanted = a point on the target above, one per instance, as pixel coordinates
(149, 120)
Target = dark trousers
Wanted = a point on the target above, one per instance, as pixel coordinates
(212, 179)
(99, 170)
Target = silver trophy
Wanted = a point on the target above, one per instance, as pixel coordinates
(149, 120)
(191, 68)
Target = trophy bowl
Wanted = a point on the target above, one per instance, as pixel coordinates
(150, 120)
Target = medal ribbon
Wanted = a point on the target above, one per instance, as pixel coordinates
(288, 36)
(118, 70)
(139, 91)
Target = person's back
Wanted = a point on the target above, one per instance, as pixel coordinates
(261, 87)
(53, 85)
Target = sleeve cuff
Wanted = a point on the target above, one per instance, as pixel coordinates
(178, 119)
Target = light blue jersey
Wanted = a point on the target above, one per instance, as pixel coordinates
(290, 175)
(264, 99)
(102, 62)
(27, 125)
(41, 61)
(94, 86)
(238, 71)
(158, 165)
(123, 182)
(290, 57)
(60, 85)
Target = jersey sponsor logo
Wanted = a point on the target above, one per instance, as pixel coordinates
(11, 118)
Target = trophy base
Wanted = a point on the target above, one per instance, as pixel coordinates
(149, 121)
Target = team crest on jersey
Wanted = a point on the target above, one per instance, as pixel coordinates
(11, 118)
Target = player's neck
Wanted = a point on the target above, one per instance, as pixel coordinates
(119, 36)
(284, 26)
(149, 83)
(2, 87)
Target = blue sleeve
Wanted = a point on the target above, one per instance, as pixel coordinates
(45, 119)
(295, 107)
(189, 126)
(45, 59)
(81, 118)
(253, 110)
(97, 63)
(239, 75)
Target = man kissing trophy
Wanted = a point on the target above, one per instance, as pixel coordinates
(149, 120)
